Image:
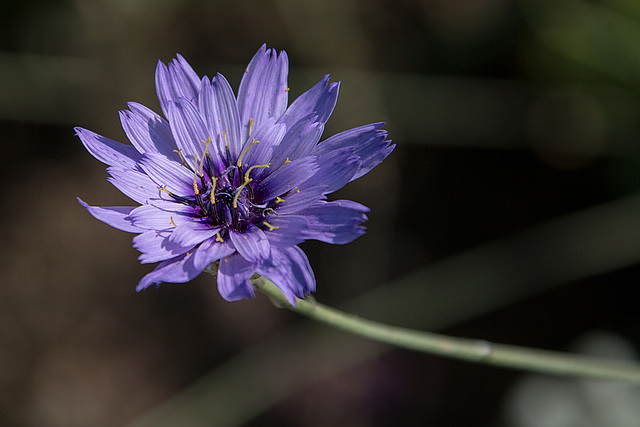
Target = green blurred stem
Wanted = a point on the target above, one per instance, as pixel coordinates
(478, 351)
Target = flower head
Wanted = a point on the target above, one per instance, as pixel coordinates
(240, 180)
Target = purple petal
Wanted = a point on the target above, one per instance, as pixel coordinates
(190, 233)
(115, 216)
(176, 270)
(285, 178)
(234, 273)
(263, 90)
(134, 184)
(299, 141)
(218, 106)
(298, 200)
(267, 137)
(147, 131)
(167, 218)
(318, 101)
(177, 81)
(285, 230)
(211, 250)
(155, 246)
(368, 143)
(335, 170)
(251, 243)
(164, 172)
(336, 222)
(108, 151)
(289, 270)
(189, 130)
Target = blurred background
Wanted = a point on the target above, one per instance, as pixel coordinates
(509, 211)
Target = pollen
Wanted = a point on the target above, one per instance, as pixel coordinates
(219, 238)
(245, 151)
(271, 227)
(171, 221)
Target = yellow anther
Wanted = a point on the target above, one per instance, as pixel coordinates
(246, 70)
(172, 223)
(250, 126)
(206, 152)
(218, 237)
(279, 200)
(213, 189)
(195, 176)
(226, 143)
(297, 189)
(179, 151)
(247, 180)
(164, 188)
(286, 90)
(245, 150)
(271, 227)
(286, 161)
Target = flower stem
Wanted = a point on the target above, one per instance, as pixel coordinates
(478, 351)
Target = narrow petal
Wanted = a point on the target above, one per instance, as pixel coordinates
(368, 143)
(318, 101)
(290, 271)
(211, 250)
(251, 243)
(258, 150)
(133, 183)
(335, 170)
(176, 270)
(150, 217)
(108, 151)
(234, 273)
(189, 130)
(155, 246)
(296, 201)
(285, 230)
(336, 222)
(190, 233)
(285, 178)
(176, 81)
(115, 216)
(299, 141)
(164, 172)
(218, 106)
(263, 90)
(147, 131)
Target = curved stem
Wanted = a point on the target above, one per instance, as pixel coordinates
(478, 351)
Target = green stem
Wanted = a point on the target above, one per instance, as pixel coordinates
(478, 351)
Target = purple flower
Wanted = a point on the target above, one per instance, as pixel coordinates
(239, 180)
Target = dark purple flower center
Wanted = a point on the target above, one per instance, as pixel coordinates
(226, 199)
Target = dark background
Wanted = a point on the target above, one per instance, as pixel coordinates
(509, 212)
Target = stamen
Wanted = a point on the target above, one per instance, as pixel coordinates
(279, 200)
(219, 238)
(206, 153)
(179, 151)
(172, 223)
(164, 188)
(213, 189)
(286, 90)
(195, 176)
(250, 126)
(286, 161)
(247, 180)
(245, 151)
(226, 143)
(271, 227)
